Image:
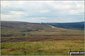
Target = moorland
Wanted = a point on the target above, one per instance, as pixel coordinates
(23, 38)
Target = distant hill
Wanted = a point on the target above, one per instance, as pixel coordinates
(41, 26)
(39, 31)
(13, 27)
(23, 25)
(75, 25)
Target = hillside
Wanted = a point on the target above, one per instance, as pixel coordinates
(22, 25)
(22, 38)
(41, 26)
(13, 28)
(74, 25)
(20, 29)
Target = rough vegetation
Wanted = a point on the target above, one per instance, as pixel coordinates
(20, 38)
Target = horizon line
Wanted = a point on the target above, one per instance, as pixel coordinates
(41, 22)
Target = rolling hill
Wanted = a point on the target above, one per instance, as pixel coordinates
(22, 38)
(41, 26)
(13, 28)
(74, 25)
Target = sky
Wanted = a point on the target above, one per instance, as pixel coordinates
(42, 11)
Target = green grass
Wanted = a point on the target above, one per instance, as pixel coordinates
(41, 48)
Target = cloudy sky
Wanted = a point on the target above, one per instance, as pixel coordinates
(42, 11)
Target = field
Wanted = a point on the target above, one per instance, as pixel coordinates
(42, 48)
(38, 39)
